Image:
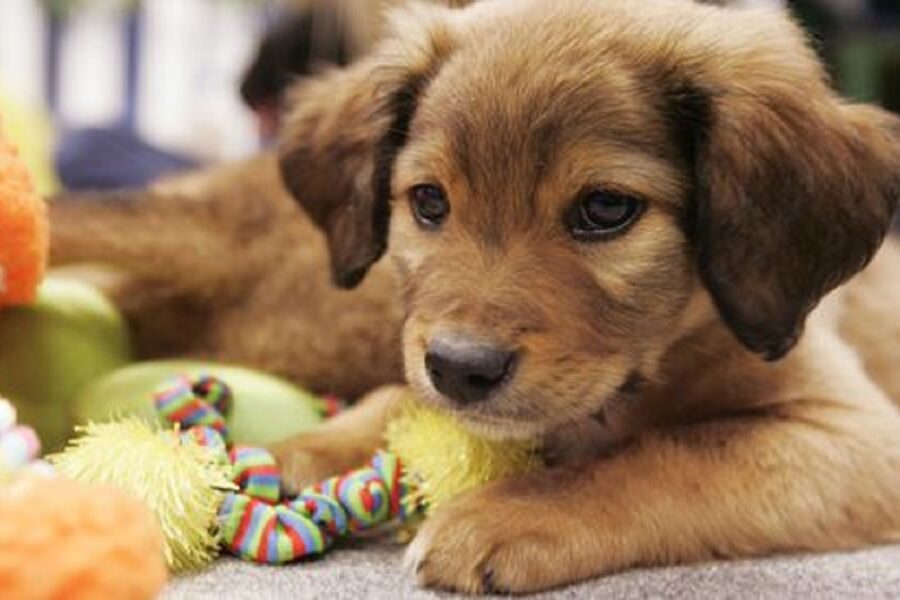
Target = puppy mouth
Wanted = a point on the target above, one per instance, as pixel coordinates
(491, 420)
(494, 425)
(484, 418)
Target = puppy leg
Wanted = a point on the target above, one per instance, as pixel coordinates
(344, 442)
(741, 487)
(146, 235)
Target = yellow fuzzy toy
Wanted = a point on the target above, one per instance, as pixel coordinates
(442, 459)
(179, 481)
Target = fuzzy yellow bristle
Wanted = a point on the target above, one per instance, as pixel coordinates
(180, 481)
(441, 458)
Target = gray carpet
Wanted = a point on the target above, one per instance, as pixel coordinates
(373, 571)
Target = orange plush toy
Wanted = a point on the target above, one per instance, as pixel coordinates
(23, 230)
(58, 538)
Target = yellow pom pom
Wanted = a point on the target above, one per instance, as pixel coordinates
(442, 459)
(180, 481)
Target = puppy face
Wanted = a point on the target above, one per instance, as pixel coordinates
(561, 181)
(559, 267)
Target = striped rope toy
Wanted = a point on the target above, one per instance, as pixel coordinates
(256, 522)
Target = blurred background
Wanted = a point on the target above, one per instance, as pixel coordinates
(111, 93)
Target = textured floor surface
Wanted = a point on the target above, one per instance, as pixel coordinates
(374, 571)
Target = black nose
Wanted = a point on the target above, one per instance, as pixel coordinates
(467, 371)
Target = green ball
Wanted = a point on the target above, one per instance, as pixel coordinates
(51, 350)
(266, 409)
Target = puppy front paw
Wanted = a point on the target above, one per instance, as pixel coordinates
(345, 442)
(488, 542)
(308, 459)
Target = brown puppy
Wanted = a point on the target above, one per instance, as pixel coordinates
(611, 222)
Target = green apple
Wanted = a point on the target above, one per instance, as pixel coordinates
(51, 350)
(265, 409)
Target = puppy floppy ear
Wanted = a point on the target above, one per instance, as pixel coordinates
(795, 189)
(345, 131)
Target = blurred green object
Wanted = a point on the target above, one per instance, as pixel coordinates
(51, 350)
(860, 41)
(67, 359)
(863, 63)
(64, 7)
(265, 408)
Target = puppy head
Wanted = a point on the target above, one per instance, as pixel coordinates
(557, 182)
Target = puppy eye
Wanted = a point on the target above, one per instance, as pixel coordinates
(429, 205)
(599, 214)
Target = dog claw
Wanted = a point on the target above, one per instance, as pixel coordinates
(487, 582)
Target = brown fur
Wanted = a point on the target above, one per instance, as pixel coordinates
(671, 438)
